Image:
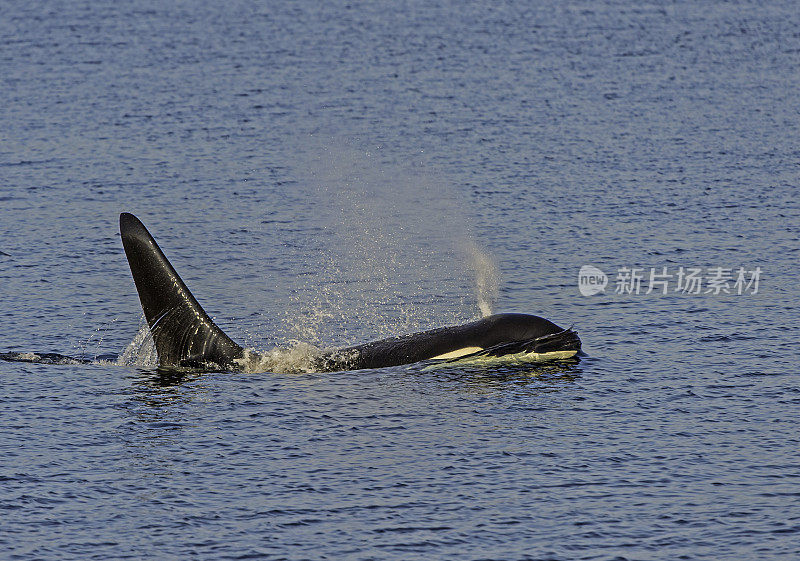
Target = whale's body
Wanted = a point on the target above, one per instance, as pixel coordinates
(184, 335)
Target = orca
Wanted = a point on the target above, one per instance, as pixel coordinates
(185, 336)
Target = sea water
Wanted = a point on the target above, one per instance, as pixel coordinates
(323, 174)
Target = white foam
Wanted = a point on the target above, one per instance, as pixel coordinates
(297, 358)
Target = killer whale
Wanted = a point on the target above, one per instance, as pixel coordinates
(185, 336)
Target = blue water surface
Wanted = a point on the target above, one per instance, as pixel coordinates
(327, 173)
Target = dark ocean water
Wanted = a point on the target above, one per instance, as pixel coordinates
(328, 174)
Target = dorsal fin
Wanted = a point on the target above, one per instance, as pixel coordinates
(183, 333)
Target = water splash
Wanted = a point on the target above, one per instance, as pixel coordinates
(298, 357)
(95, 342)
(487, 279)
(141, 351)
(396, 252)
